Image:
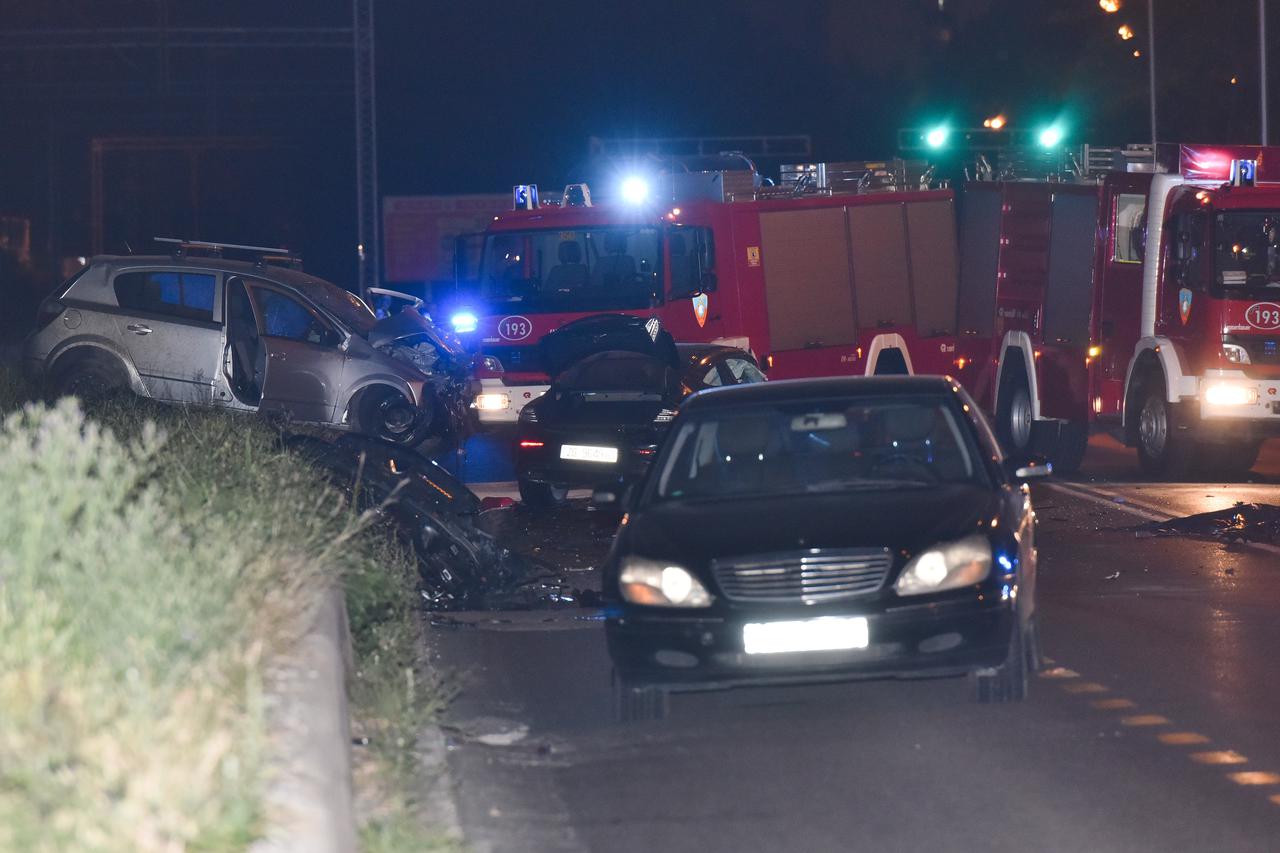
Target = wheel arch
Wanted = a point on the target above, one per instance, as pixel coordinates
(883, 343)
(82, 350)
(1018, 353)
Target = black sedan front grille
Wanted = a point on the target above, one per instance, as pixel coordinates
(803, 577)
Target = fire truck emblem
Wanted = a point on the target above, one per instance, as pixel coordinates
(1184, 305)
(701, 303)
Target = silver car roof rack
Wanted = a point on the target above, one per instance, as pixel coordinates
(262, 255)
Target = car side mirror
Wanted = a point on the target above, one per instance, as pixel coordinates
(1032, 469)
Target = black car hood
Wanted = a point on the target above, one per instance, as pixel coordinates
(407, 324)
(575, 341)
(899, 519)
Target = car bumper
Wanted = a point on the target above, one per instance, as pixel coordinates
(915, 640)
(546, 467)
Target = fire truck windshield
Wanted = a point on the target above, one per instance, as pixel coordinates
(1247, 251)
(587, 269)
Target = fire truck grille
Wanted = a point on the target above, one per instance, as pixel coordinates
(803, 577)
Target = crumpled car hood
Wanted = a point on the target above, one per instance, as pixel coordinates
(406, 324)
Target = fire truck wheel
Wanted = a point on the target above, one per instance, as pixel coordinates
(1069, 450)
(1162, 451)
(1014, 417)
(1224, 461)
(541, 495)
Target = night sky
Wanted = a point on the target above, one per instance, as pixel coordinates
(476, 96)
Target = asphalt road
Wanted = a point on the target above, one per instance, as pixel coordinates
(1154, 728)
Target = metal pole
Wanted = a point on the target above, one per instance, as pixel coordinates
(1151, 65)
(1262, 66)
(369, 248)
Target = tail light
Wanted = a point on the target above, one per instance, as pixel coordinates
(49, 311)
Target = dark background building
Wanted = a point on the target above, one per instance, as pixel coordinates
(234, 120)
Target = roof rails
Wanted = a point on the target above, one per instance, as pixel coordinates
(261, 255)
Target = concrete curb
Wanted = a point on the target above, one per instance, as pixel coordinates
(309, 799)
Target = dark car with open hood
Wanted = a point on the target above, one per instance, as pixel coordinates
(617, 382)
(824, 530)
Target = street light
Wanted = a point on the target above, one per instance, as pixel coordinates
(1125, 31)
(1109, 6)
(995, 122)
(1051, 136)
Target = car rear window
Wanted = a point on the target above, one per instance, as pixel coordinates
(185, 295)
(616, 371)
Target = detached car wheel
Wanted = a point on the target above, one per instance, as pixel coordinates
(387, 414)
(542, 495)
(1010, 680)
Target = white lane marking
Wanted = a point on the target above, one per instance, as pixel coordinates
(1138, 510)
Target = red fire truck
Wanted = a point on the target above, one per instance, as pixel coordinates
(1145, 291)
(856, 262)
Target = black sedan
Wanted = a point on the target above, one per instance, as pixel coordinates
(821, 530)
(611, 401)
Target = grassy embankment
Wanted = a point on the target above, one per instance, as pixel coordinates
(153, 560)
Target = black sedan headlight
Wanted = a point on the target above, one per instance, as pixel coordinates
(659, 583)
(950, 565)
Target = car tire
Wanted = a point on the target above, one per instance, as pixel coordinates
(1070, 448)
(1162, 450)
(385, 413)
(1009, 681)
(1015, 422)
(638, 702)
(542, 495)
(89, 379)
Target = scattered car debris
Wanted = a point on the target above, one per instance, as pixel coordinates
(1112, 576)
(1244, 522)
(464, 562)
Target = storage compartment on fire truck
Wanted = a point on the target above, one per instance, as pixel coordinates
(1068, 299)
(828, 271)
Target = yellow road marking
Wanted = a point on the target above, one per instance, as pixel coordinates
(1059, 672)
(1085, 687)
(1254, 777)
(1111, 704)
(1182, 738)
(1144, 720)
(1225, 756)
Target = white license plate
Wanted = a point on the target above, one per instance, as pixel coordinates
(828, 633)
(586, 453)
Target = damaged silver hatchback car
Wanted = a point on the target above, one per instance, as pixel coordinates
(196, 327)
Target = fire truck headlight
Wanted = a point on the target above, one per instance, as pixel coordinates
(464, 322)
(1230, 394)
(635, 190)
(1235, 353)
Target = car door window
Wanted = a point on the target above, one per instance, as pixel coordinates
(285, 317)
(712, 379)
(743, 371)
(187, 296)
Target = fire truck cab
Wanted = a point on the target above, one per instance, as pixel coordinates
(1141, 290)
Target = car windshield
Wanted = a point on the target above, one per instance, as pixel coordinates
(343, 304)
(588, 269)
(617, 371)
(830, 446)
(1247, 252)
